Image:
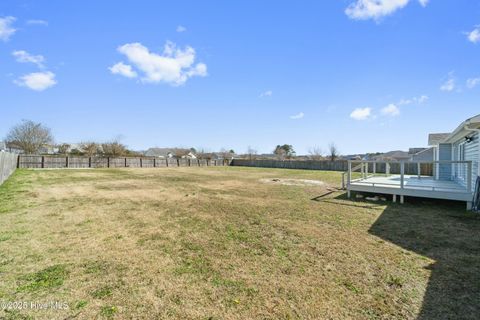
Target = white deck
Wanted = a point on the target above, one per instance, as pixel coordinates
(414, 186)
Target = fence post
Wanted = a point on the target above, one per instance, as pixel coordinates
(66, 161)
(141, 163)
(89, 162)
(108, 162)
(178, 162)
(43, 162)
(18, 161)
(154, 162)
(125, 162)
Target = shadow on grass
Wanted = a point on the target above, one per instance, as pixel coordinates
(444, 232)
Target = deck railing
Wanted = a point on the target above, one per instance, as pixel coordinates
(457, 171)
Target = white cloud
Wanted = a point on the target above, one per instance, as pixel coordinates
(415, 100)
(6, 28)
(297, 116)
(474, 35)
(123, 69)
(361, 113)
(37, 22)
(174, 66)
(422, 99)
(373, 9)
(423, 3)
(449, 84)
(181, 29)
(37, 81)
(267, 93)
(25, 57)
(391, 110)
(472, 82)
(376, 9)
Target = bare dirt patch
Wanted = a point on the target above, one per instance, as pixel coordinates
(294, 182)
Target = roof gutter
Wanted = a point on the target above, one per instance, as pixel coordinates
(464, 126)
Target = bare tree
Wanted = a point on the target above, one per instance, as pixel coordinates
(251, 153)
(333, 151)
(63, 148)
(90, 148)
(226, 154)
(114, 149)
(315, 153)
(29, 136)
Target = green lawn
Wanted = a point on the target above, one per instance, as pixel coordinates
(229, 243)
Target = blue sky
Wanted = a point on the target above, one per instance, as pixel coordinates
(369, 75)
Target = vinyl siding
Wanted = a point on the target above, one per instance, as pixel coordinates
(445, 153)
(472, 153)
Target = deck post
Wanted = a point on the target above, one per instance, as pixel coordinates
(419, 170)
(366, 170)
(401, 198)
(469, 176)
(469, 205)
(362, 168)
(387, 168)
(349, 176)
(394, 198)
(402, 174)
(374, 168)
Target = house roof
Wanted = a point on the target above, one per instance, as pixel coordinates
(436, 138)
(463, 129)
(396, 154)
(163, 152)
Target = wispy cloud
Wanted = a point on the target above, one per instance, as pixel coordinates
(37, 22)
(299, 115)
(6, 28)
(391, 110)
(376, 9)
(474, 35)
(361, 113)
(472, 82)
(181, 29)
(267, 93)
(423, 3)
(450, 84)
(415, 100)
(37, 81)
(123, 69)
(174, 66)
(23, 56)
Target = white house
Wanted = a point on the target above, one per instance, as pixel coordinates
(460, 145)
(452, 174)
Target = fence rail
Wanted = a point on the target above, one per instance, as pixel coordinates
(51, 162)
(338, 165)
(8, 164)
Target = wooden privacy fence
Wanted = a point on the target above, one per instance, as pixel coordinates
(338, 165)
(51, 162)
(8, 164)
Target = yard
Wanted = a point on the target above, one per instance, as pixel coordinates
(228, 243)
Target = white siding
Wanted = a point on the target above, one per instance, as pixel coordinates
(471, 153)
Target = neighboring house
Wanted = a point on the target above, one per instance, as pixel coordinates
(396, 155)
(3, 146)
(460, 145)
(426, 154)
(165, 153)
